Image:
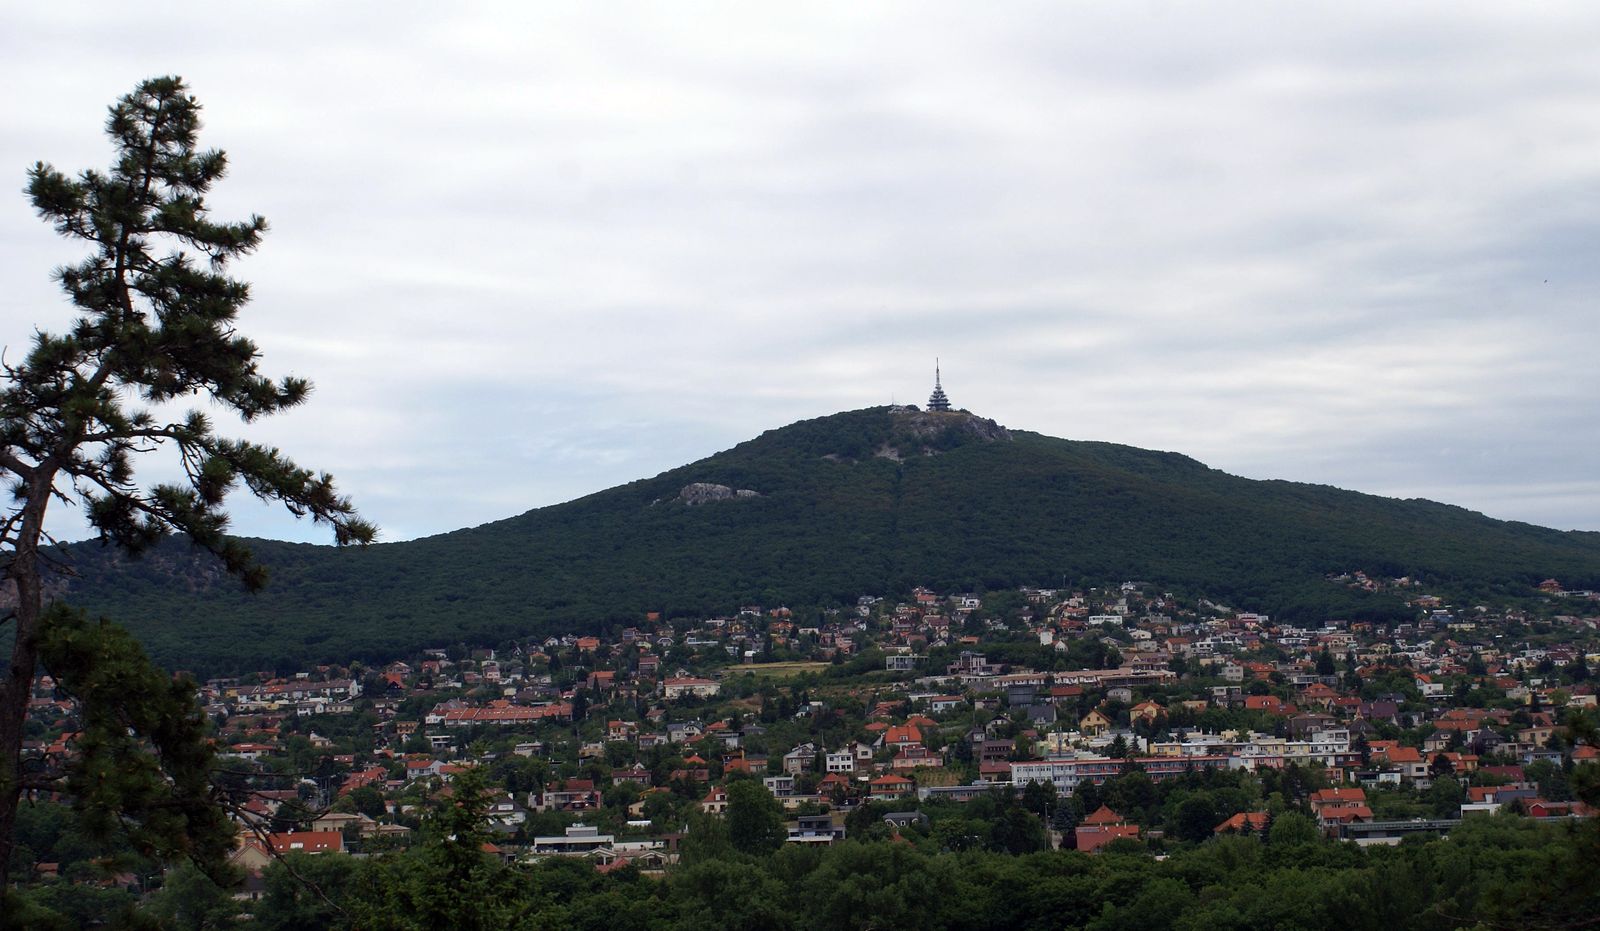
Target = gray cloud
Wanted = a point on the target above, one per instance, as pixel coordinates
(529, 251)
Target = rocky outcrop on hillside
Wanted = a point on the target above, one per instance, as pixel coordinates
(927, 433)
(706, 493)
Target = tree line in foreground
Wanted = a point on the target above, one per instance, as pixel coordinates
(1493, 871)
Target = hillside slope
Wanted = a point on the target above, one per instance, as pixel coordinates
(869, 501)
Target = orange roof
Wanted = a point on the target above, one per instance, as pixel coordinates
(1346, 813)
(903, 733)
(1104, 815)
(1257, 820)
(308, 841)
(1091, 838)
(1268, 703)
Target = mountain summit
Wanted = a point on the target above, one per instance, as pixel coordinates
(871, 501)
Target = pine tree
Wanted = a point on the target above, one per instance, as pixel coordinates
(155, 325)
(449, 880)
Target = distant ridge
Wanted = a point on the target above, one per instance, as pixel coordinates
(815, 513)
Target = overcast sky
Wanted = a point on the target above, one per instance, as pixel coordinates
(528, 251)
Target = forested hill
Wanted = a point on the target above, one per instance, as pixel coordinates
(818, 512)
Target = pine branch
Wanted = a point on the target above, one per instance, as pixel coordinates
(253, 822)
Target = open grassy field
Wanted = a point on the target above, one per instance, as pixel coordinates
(772, 670)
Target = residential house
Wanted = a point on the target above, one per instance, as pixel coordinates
(900, 662)
(578, 840)
(567, 795)
(339, 821)
(1101, 828)
(914, 757)
(901, 736)
(1334, 808)
(1539, 808)
(1094, 724)
(815, 829)
(801, 759)
(1428, 686)
(890, 787)
(1147, 711)
(689, 687)
(1271, 704)
(1407, 761)
(715, 802)
(1245, 822)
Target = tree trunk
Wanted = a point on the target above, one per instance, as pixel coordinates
(17, 688)
(14, 695)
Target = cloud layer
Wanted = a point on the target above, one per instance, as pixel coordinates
(531, 251)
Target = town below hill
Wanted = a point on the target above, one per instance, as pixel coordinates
(1119, 721)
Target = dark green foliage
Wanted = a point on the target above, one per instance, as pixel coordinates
(190, 900)
(67, 906)
(369, 801)
(1196, 819)
(879, 885)
(1291, 828)
(984, 514)
(1000, 821)
(448, 882)
(1501, 871)
(755, 819)
(726, 893)
(308, 898)
(705, 837)
(156, 324)
(1445, 797)
(144, 760)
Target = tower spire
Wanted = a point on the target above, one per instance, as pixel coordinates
(938, 401)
